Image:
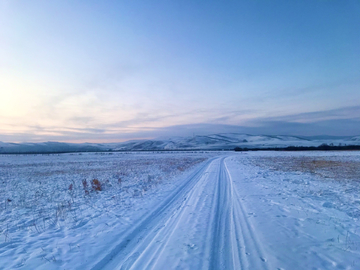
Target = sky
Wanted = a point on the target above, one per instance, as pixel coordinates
(109, 71)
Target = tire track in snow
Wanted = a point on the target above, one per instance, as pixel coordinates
(152, 252)
(234, 244)
(244, 246)
(205, 210)
(122, 256)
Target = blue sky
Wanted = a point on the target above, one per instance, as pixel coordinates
(115, 70)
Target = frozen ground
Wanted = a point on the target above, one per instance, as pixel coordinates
(305, 207)
(254, 210)
(49, 221)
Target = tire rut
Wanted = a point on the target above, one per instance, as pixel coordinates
(234, 244)
(139, 231)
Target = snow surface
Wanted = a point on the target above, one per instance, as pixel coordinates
(188, 210)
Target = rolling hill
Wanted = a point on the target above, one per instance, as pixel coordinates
(221, 141)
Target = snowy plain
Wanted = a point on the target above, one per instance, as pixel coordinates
(183, 210)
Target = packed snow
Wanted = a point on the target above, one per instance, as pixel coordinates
(183, 210)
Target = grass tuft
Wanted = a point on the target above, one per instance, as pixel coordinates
(96, 185)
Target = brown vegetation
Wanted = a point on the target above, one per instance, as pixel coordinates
(336, 169)
(96, 185)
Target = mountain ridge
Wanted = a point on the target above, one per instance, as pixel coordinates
(218, 141)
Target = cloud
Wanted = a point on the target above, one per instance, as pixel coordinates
(352, 112)
(340, 127)
(336, 122)
(334, 127)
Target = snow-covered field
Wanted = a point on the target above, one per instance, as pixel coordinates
(184, 210)
(305, 207)
(49, 220)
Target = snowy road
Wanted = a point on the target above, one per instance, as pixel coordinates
(201, 225)
(260, 210)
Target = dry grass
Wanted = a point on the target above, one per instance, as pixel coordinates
(316, 165)
(39, 193)
(96, 185)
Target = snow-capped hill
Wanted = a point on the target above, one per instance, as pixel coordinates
(47, 147)
(355, 139)
(226, 141)
(230, 141)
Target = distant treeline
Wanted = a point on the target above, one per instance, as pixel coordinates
(323, 147)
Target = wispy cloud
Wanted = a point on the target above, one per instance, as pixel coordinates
(335, 127)
(352, 112)
(84, 71)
